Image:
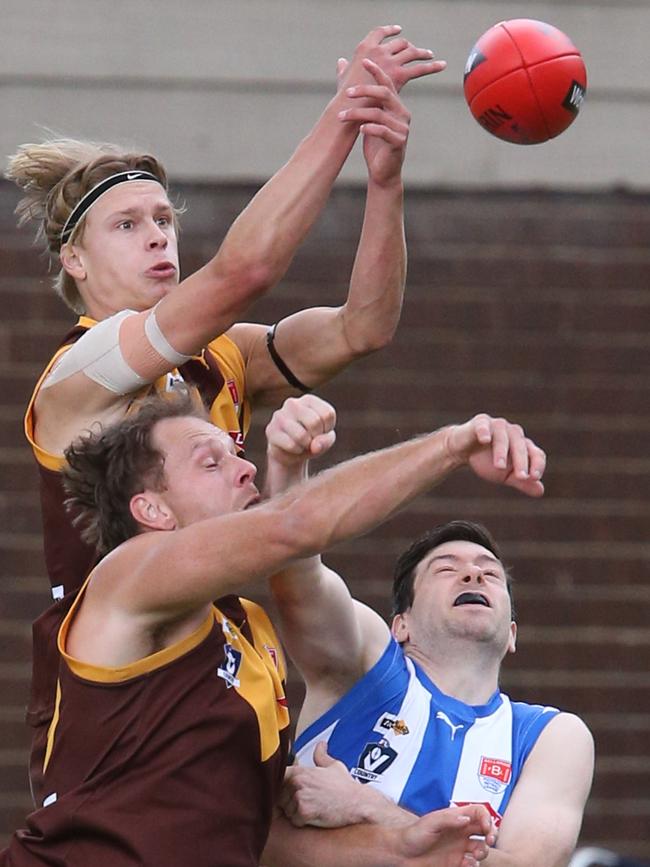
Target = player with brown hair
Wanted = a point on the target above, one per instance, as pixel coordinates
(168, 739)
(107, 218)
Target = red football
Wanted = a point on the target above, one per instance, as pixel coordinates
(525, 81)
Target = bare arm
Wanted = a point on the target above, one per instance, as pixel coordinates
(319, 342)
(556, 779)
(440, 839)
(171, 573)
(252, 258)
(308, 595)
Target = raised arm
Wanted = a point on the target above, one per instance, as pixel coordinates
(317, 343)
(168, 574)
(310, 597)
(556, 779)
(252, 258)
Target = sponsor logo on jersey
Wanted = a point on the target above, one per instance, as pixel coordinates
(373, 761)
(173, 380)
(496, 817)
(238, 438)
(388, 722)
(273, 653)
(228, 630)
(494, 774)
(441, 715)
(234, 393)
(229, 668)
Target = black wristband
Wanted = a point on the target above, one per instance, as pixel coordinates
(279, 363)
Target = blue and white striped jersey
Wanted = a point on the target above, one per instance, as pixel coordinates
(423, 749)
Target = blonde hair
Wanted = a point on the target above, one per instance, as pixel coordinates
(54, 176)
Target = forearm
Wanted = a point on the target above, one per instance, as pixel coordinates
(282, 212)
(352, 498)
(372, 310)
(352, 846)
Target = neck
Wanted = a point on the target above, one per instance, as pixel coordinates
(464, 670)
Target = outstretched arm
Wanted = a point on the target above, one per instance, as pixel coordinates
(198, 563)
(317, 343)
(252, 258)
(310, 597)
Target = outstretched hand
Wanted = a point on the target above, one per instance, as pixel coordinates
(384, 123)
(398, 58)
(445, 838)
(499, 451)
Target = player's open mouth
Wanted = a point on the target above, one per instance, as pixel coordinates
(162, 269)
(471, 599)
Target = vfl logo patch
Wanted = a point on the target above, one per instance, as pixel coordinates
(229, 669)
(494, 774)
(373, 761)
(388, 722)
(574, 98)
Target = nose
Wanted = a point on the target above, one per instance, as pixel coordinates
(472, 572)
(244, 471)
(157, 238)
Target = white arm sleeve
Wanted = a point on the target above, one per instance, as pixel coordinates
(98, 355)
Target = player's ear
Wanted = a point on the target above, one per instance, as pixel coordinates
(399, 628)
(512, 639)
(151, 512)
(71, 261)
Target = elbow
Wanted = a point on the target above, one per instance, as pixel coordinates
(366, 341)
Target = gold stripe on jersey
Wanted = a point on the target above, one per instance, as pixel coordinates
(52, 728)
(46, 459)
(223, 411)
(103, 674)
(259, 660)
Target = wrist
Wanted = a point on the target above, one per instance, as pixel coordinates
(455, 458)
(377, 809)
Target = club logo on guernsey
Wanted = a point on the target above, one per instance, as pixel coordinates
(229, 668)
(234, 393)
(494, 774)
(373, 761)
(388, 722)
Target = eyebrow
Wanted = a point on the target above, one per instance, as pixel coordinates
(482, 558)
(135, 210)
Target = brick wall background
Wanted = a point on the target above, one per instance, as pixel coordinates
(531, 304)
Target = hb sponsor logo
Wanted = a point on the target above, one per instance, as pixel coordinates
(494, 774)
(373, 761)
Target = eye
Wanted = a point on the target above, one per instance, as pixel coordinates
(163, 221)
(125, 224)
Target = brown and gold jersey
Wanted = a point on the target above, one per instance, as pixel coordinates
(172, 760)
(218, 374)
